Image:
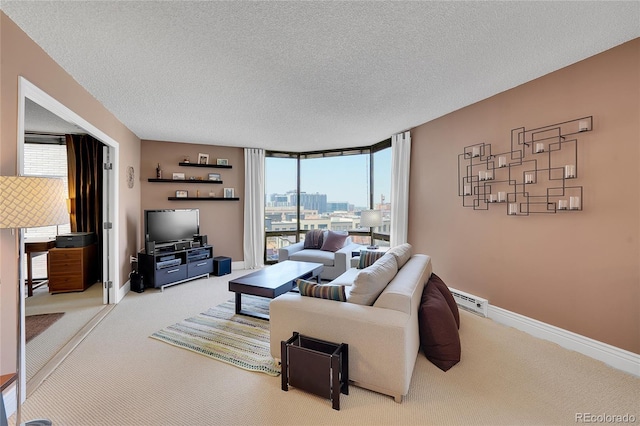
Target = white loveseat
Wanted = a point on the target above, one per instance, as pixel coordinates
(335, 263)
(383, 338)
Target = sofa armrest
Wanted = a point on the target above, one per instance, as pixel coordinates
(383, 343)
(342, 259)
(286, 252)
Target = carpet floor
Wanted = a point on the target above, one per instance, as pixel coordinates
(220, 334)
(119, 376)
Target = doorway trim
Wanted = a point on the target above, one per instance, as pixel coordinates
(111, 294)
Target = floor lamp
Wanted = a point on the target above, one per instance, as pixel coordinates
(29, 202)
(371, 219)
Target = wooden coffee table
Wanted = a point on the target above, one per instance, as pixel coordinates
(272, 281)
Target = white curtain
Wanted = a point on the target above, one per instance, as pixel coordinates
(400, 160)
(253, 244)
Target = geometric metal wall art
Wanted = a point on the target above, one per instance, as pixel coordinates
(534, 176)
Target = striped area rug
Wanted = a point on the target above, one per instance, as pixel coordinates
(221, 334)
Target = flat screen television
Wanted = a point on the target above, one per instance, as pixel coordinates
(170, 226)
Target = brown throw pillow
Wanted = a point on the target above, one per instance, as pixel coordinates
(438, 331)
(313, 239)
(334, 241)
(437, 281)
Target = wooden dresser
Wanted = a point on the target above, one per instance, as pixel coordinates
(72, 269)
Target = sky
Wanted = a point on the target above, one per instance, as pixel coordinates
(343, 179)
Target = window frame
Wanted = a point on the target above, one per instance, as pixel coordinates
(299, 156)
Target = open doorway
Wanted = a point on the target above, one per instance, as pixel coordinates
(54, 317)
(36, 105)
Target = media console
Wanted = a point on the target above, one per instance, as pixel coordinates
(168, 266)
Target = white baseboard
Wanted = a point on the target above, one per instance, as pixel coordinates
(237, 265)
(9, 397)
(122, 291)
(620, 359)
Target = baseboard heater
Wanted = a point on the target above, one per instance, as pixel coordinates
(471, 303)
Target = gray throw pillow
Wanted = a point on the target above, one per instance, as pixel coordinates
(334, 241)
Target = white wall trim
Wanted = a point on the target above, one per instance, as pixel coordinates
(26, 89)
(9, 397)
(621, 359)
(237, 265)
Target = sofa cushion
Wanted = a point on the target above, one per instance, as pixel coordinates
(370, 282)
(404, 292)
(440, 285)
(368, 257)
(346, 278)
(313, 239)
(316, 256)
(334, 241)
(327, 291)
(438, 329)
(402, 253)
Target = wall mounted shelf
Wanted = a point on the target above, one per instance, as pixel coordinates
(203, 199)
(210, 166)
(185, 180)
(532, 177)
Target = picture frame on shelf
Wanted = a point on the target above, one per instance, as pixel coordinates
(214, 176)
(203, 158)
(228, 193)
(222, 162)
(181, 193)
(178, 176)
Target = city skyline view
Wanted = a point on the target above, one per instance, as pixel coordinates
(341, 178)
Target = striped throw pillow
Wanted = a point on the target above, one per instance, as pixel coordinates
(367, 258)
(327, 291)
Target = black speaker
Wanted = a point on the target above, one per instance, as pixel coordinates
(137, 283)
(202, 239)
(150, 247)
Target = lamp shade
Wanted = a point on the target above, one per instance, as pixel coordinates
(31, 202)
(370, 218)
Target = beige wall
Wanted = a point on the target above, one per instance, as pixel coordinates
(221, 221)
(576, 270)
(20, 56)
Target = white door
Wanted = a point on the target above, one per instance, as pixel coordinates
(108, 295)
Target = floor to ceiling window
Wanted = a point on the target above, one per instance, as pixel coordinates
(325, 190)
(281, 214)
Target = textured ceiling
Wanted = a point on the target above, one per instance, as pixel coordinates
(303, 76)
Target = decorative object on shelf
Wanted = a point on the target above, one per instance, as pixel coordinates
(526, 183)
(130, 176)
(158, 172)
(371, 219)
(182, 193)
(214, 176)
(186, 159)
(212, 194)
(211, 166)
(178, 176)
(203, 158)
(228, 193)
(222, 162)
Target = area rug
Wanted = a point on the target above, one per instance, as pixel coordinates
(36, 324)
(221, 334)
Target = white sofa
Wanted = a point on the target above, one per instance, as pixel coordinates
(383, 338)
(335, 263)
